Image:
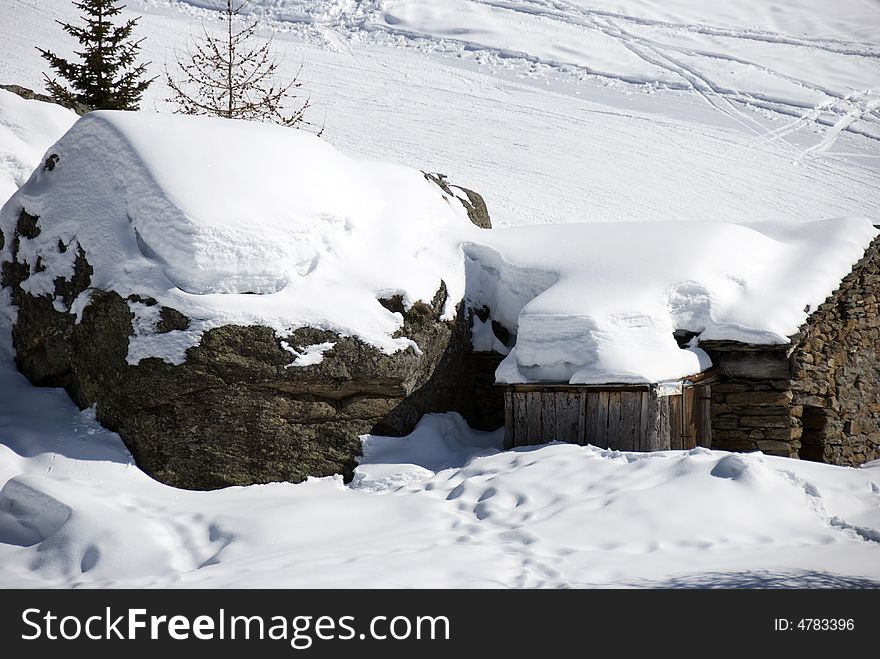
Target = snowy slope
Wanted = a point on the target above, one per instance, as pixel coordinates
(545, 143)
(27, 129)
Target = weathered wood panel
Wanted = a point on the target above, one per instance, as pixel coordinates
(614, 419)
(535, 429)
(520, 420)
(548, 416)
(664, 435)
(568, 417)
(582, 419)
(637, 420)
(597, 419)
(630, 420)
(644, 424)
(675, 426)
(704, 396)
(690, 415)
(509, 424)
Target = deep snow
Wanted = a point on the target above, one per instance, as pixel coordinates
(786, 131)
(27, 129)
(441, 508)
(549, 144)
(598, 302)
(234, 222)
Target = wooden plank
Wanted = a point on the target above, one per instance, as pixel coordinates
(509, 426)
(568, 417)
(666, 423)
(658, 423)
(582, 418)
(690, 411)
(704, 398)
(597, 419)
(614, 419)
(520, 420)
(535, 430)
(630, 418)
(644, 408)
(675, 422)
(548, 416)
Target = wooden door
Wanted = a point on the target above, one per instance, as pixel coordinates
(696, 417)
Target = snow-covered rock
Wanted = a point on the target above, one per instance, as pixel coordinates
(240, 301)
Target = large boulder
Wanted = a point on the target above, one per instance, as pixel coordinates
(240, 320)
(238, 410)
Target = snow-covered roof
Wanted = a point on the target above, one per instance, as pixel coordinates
(234, 222)
(598, 303)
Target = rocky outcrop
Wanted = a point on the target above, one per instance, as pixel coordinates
(237, 411)
(472, 201)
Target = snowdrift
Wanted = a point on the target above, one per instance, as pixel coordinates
(27, 129)
(599, 302)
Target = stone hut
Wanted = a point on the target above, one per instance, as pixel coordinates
(816, 397)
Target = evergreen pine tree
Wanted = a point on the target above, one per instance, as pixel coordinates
(233, 76)
(107, 78)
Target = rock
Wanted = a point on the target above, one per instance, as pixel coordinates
(236, 412)
(472, 201)
(170, 320)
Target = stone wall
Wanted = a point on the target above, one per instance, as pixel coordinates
(836, 370)
(752, 401)
(817, 398)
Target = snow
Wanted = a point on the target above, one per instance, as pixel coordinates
(287, 233)
(548, 142)
(443, 507)
(598, 302)
(27, 129)
(234, 222)
(558, 113)
(309, 355)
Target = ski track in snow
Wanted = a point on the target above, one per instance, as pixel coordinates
(543, 139)
(680, 65)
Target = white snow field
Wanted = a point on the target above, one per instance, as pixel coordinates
(441, 508)
(558, 113)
